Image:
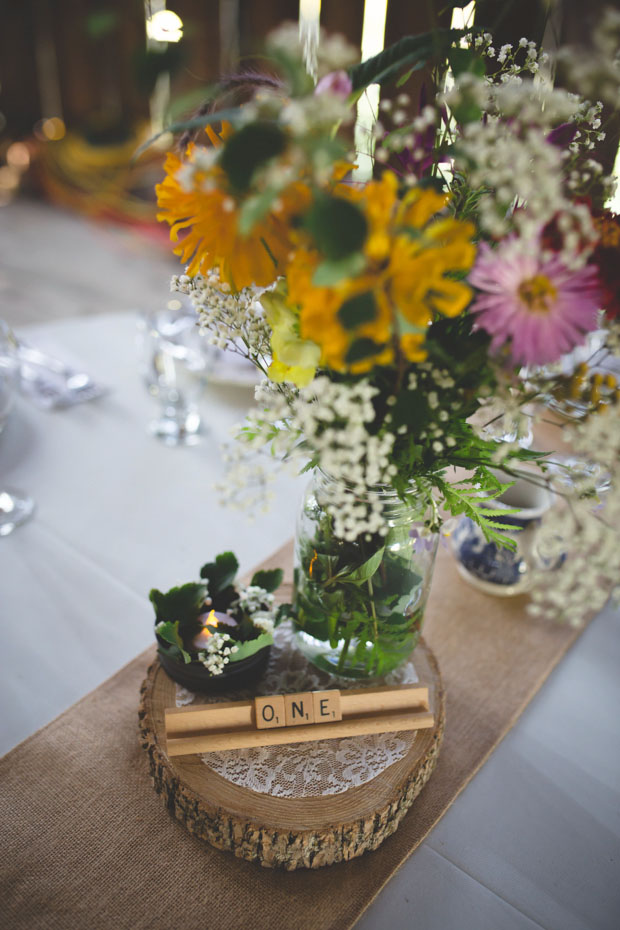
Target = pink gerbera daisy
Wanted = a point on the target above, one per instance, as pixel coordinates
(537, 304)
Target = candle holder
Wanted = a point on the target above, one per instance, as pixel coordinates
(235, 677)
(213, 635)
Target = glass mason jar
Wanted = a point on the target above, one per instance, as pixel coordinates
(358, 605)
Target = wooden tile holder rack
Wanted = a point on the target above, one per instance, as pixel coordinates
(296, 718)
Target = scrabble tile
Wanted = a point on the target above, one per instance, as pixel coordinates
(270, 712)
(299, 708)
(326, 706)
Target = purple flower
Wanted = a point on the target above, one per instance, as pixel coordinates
(538, 305)
(337, 83)
(422, 541)
(418, 158)
(562, 135)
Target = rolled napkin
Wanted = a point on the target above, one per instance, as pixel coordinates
(49, 382)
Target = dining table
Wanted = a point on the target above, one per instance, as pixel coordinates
(532, 841)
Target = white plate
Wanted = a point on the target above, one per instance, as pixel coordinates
(228, 369)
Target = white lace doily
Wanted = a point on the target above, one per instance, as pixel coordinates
(304, 770)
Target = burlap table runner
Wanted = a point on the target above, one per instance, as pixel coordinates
(88, 845)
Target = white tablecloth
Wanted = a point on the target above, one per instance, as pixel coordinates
(533, 841)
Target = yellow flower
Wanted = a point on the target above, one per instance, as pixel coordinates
(198, 203)
(360, 322)
(294, 359)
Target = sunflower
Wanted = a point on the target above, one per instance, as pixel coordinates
(410, 257)
(199, 200)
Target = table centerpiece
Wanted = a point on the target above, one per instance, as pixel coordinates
(404, 321)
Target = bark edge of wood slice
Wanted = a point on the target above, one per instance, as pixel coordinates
(288, 833)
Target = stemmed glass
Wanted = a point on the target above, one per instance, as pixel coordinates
(15, 506)
(174, 367)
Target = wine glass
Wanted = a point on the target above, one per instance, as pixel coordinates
(15, 506)
(174, 367)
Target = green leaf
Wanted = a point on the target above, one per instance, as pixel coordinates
(221, 573)
(404, 77)
(412, 52)
(396, 623)
(361, 349)
(182, 604)
(358, 310)
(254, 209)
(398, 578)
(331, 272)
(250, 646)
(364, 571)
(470, 503)
(248, 149)
(284, 612)
(356, 626)
(269, 579)
(466, 112)
(462, 60)
(337, 226)
(313, 622)
(169, 632)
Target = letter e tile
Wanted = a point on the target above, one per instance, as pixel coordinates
(299, 708)
(326, 706)
(270, 712)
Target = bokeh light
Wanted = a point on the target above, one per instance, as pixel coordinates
(9, 178)
(18, 156)
(50, 130)
(165, 26)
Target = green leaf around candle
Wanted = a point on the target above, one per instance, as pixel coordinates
(169, 632)
(221, 573)
(268, 579)
(248, 648)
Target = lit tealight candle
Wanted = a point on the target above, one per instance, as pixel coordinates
(213, 618)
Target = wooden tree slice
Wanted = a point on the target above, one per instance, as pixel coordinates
(288, 833)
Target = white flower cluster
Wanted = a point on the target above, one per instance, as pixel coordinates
(354, 513)
(258, 604)
(314, 113)
(250, 472)
(233, 321)
(217, 653)
(533, 103)
(442, 395)
(514, 60)
(252, 599)
(333, 419)
(327, 423)
(584, 533)
(596, 73)
(264, 620)
(408, 136)
(334, 53)
(512, 158)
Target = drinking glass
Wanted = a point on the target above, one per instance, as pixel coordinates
(174, 364)
(15, 506)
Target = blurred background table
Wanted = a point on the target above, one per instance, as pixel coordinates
(533, 841)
